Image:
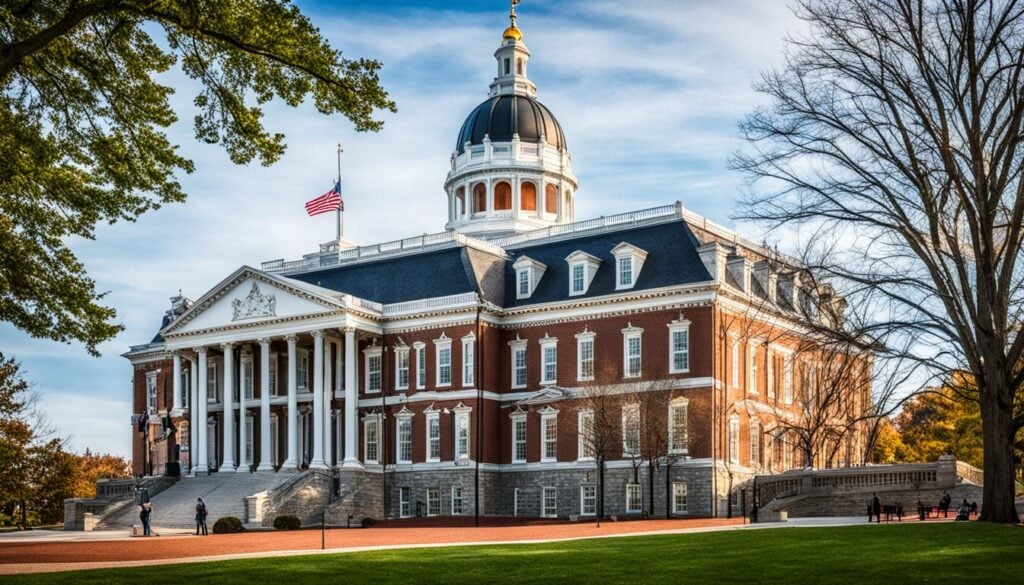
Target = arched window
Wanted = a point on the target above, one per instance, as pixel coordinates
(479, 198)
(551, 198)
(460, 201)
(528, 197)
(519, 66)
(508, 66)
(502, 196)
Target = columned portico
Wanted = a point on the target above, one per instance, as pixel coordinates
(317, 461)
(292, 462)
(228, 464)
(265, 463)
(202, 467)
(351, 400)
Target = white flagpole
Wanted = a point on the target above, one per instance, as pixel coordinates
(341, 225)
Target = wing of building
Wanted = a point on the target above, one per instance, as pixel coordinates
(518, 363)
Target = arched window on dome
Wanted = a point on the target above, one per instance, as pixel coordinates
(460, 201)
(519, 66)
(551, 198)
(479, 198)
(502, 196)
(508, 66)
(528, 197)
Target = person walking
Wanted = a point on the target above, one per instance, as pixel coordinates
(876, 507)
(144, 514)
(201, 512)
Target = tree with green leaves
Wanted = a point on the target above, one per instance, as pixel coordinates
(16, 436)
(83, 116)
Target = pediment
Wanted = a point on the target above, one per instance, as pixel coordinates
(250, 297)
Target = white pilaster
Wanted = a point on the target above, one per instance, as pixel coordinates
(243, 424)
(317, 461)
(202, 467)
(351, 400)
(328, 394)
(265, 463)
(176, 385)
(228, 464)
(293, 408)
(193, 413)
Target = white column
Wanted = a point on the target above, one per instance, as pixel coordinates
(176, 384)
(193, 413)
(265, 463)
(228, 465)
(201, 464)
(328, 395)
(243, 433)
(293, 408)
(351, 400)
(317, 461)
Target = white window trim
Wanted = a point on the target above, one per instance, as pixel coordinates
(543, 502)
(627, 334)
(421, 364)
(519, 416)
(374, 351)
(673, 328)
(769, 367)
(151, 382)
(675, 507)
(583, 511)
(212, 380)
(590, 265)
(402, 351)
(468, 360)
(535, 271)
(405, 415)
(302, 381)
(752, 372)
(462, 502)
(734, 439)
(755, 442)
(374, 419)
(581, 441)
(581, 338)
(443, 342)
(788, 380)
(432, 416)
(462, 412)
(546, 415)
(437, 493)
(631, 409)
(519, 344)
(685, 403)
(405, 501)
(734, 348)
(638, 507)
(546, 343)
(637, 255)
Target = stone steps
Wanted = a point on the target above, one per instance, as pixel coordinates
(856, 503)
(224, 494)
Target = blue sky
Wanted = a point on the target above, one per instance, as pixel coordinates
(648, 92)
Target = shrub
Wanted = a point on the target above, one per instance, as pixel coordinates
(287, 523)
(367, 522)
(227, 525)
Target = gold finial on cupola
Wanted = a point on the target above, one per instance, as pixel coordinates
(513, 32)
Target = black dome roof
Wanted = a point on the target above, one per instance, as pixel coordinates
(502, 116)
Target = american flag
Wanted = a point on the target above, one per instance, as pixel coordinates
(329, 201)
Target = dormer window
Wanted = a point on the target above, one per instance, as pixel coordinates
(629, 261)
(528, 274)
(582, 267)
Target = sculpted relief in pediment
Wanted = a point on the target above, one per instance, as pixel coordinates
(255, 304)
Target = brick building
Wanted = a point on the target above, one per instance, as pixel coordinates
(464, 369)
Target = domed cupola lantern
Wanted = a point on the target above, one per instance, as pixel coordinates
(511, 171)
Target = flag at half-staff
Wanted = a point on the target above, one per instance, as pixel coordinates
(329, 201)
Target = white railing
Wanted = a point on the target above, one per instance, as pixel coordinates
(631, 219)
(436, 303)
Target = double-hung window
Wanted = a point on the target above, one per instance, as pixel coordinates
(371, 443)
(549, 503)
(461, 434)
(301, 369)
(588, 500)
(549, 360)
(421, 364)
(578, 285)
(585, 356)
(373, 364)
(433, 436)
(631, 429)
(443, 346)
(402, 368)
(679, 346)
(403, 430)
(585, 434)
(518, 363)
(468, 359)
(678, 431)
(549, 434)
(151, 392)
(456, 499)
(634, 498)
(631, 358)
(519, 438)
(679, 497)
(211, 382)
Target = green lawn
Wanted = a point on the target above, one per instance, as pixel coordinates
(893, 554)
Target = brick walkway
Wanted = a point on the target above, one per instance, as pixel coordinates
(31, 557)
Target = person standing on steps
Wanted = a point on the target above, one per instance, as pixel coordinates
(201, 513)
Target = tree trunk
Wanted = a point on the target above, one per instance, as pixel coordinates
(668, 490)
(600, 490)
(651, 468)
(997, 432)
